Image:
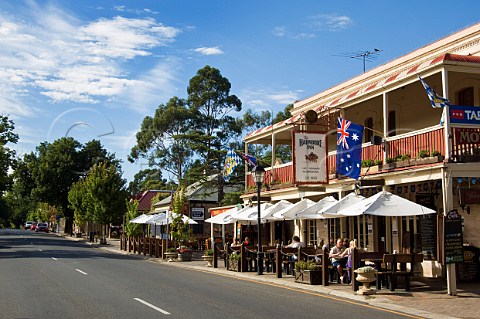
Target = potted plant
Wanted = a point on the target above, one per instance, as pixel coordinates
(184, 253)
(171, 253)
(208, 257)
(366, 275)
(308, 272)
(389, 163)
(234, 260)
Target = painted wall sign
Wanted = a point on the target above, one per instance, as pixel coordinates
(467, 136)
(310, 157)
(464, 114)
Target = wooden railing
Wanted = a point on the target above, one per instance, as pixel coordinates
(411, 143)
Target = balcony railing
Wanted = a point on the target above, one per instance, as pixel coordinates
(411, 143)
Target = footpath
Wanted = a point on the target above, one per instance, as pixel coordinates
(428, 298)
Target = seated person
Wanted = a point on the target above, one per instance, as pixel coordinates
(296, 243)
(246, 242)
(338, 258)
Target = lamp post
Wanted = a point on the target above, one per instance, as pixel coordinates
(258, 174)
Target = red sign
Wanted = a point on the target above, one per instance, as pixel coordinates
(467, 136)
(457, 114)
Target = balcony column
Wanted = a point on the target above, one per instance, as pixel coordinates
(385, 125)
(272, 171)
(446, 116)
(245, 167)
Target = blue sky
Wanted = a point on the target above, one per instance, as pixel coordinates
(94, 69)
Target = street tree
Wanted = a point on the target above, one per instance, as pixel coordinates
(149, 179)
(7, 155)
(161, 139)
(105, 193)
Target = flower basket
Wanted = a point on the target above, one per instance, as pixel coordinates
(234, 262)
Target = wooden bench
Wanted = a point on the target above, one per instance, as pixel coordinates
(284, 262)
(269, 258)
(396, 265)
(250, 256)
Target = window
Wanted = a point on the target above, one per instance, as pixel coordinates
(312, 232)
(392, 124)
(465, 97)
(368, 133)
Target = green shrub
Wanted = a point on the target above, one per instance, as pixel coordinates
(423, 154)
(208, 252)
(306, 265)
(367, 163)
(435, 153)
(378, 162)
(405, 157)
(389, 160)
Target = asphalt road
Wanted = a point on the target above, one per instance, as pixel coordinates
(45, 276)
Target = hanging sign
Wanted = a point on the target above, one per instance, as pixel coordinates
(310, 157)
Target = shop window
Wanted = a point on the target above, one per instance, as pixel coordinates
(368, 133)
(466, 97)
(312, 232)
(197, 228)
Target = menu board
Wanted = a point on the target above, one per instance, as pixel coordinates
(428, 229)
(453, 239)
(469, 270)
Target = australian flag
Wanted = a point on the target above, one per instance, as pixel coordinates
(251, 161)
(349, 148)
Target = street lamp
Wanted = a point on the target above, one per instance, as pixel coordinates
(258, 174)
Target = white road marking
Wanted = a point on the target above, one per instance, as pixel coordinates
(152, 306)
(54, 258)
(82, 272)
(39, 250)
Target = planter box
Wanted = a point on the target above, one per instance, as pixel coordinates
(184, 257)
(404, 163)
(428, 160)
(388, 166)
(370, 170)
(310, 277)
(234, 264)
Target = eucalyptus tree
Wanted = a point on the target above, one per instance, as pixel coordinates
(161, 139)
(213, 126)
(149, 179)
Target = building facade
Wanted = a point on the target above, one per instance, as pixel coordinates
(424, 154)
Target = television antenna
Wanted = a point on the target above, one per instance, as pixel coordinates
(365, 56)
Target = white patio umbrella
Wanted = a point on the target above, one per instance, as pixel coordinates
(348, 200)
(223, 218)
(386, 204)
(315, 211)
(250, 215)
(166, 218)
(267, 214)
(290, 211)
(141, 219)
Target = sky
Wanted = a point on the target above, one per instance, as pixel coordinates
(94, 69)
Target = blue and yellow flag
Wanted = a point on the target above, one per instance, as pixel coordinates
(232, 160)
(436, 100)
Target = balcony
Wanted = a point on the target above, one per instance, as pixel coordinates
(412, 144)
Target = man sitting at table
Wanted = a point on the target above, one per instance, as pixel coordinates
(338, 259)
(295, 244)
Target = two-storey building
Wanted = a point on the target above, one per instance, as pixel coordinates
(415, 154)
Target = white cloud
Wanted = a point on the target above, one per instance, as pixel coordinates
(67, 60)
(279, 31)
(283, 32)
(154, 87)
(329, 22)
(209, 51)
(263, 99)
